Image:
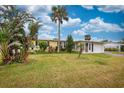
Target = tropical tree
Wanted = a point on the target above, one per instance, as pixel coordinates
(69, 44)
(34, 27)
(59, 14)
(12, 26)
(4, 40)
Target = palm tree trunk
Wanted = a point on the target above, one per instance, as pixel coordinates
(58, 37)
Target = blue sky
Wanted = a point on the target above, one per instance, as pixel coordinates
(101, 22)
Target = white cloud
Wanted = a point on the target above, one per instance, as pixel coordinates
(111, 8)
(98, 25)
(46, 19)
(46, 28)
(42, 13)
(79, 32)
(45, 36)
(72, 22)
(88, 7)
(37, 9)
(106, 8)
(96, 39)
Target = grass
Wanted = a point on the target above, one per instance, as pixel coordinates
(65, 70)
(116, 52)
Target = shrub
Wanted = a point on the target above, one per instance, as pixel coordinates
(122, 48)
(111, 49)
(43, 45)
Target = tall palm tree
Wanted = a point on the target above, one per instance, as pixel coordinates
(59, 14)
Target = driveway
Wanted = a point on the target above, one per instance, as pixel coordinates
(114, 54)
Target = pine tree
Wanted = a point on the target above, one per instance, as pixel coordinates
(70, 43)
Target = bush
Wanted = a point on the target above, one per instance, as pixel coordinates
(63, 49)
(111, 49)
(43, 45)
(122, 48)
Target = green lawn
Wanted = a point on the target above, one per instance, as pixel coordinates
(118, 52)
(65, 70)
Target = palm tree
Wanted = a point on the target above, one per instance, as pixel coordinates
(4, 40)
(34, 27)
(13, 23)
(59, 14)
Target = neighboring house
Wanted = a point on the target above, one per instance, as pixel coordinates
(89, 46)
(116, 45)
(53, 43)
(34, 46)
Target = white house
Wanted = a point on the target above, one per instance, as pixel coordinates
(89, 46)
(113, 45)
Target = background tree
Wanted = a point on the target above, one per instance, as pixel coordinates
(59, 14)
(105, 40)
(122, 40)
(43, 45)
(70, 44)
(122, 47)
(34, 27)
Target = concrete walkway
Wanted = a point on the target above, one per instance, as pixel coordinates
(121, 55)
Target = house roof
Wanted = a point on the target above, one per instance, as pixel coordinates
(120, 43)
(52, 40)
(90, 41)
(74, 41)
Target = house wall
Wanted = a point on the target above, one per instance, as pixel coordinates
(114, 45)
(63, 44)
(33, 42)
(98, 48)
(111, 45)
(77, 46)
(53, 44)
